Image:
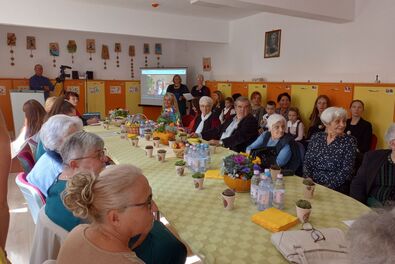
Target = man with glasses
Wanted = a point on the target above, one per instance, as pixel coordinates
(236, 133)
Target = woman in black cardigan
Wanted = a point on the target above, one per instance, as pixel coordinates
(374, 183)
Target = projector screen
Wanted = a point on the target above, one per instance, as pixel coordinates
(154, 82)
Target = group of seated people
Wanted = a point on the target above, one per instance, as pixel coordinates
(109, 211)
(333, 153)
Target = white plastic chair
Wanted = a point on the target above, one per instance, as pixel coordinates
(48, 238)
(34, 198)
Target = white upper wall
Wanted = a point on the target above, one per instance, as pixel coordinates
(310, 50)
(72, 15)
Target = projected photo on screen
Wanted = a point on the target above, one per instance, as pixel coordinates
(154, 82)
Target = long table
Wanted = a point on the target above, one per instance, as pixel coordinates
(214, 234)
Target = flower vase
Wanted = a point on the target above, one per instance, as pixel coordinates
(238, 185)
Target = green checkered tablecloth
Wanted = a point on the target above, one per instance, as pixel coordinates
(217, 235)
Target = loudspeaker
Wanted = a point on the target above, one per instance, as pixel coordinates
(89, 75)
(75, 75)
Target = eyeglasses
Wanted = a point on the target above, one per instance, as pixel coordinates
(316, 234)
(147, 203)
(99, 154)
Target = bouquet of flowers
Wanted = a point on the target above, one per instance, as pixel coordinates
(239, 166)
(118, 113)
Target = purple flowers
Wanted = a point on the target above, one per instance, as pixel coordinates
(245, 170)
(239, 159)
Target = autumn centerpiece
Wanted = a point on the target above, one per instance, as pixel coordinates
(238, 170)
(118, 116)
(165, 129)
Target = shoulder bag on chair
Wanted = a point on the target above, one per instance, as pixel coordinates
(326, 245)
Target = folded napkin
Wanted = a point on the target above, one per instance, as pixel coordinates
(274, 220)
(213, 174)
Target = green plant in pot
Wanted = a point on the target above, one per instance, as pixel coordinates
(303, 210)
(198, 179)
(309, 187)
(180, 167)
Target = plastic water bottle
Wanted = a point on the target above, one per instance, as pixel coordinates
(142, 129)
(187, 154)
(268, 174)
(202, 158)
(254, 185)
(265, 194)
(279, 192)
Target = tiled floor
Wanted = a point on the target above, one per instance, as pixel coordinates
(21, 230)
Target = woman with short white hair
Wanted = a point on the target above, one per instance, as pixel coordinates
(52, 135)
(374, 183)
(205, 120)
(330, 156)
(372, 238)
(276, 144)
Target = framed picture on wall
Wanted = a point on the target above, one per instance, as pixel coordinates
(146, 48)
(272, 43)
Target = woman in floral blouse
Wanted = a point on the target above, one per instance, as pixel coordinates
(330, 156)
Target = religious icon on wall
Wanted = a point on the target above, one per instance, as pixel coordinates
(105, 54)
(158, 48)
(272, 43)
(146, 48)
(30, 43)
(72, 46)
(11, 39)
(90, 46)
(132, 51)
(207, 64)
(54, 49)
(117, 47)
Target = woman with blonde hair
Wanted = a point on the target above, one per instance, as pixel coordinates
(118, 204)
(170, 109)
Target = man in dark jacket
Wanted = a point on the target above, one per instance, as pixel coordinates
(238, 132)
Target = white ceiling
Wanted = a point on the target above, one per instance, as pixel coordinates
(338, 11)
(179, 7)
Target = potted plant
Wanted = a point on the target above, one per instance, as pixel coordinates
(147, 134)
(148, 150)
(161, 155)
(274, 170)
(198, 179)
(183, 136)
(228, 198)
(238, 170)
(180, 167)
(156, 141)
(309, 188)
(106, 124)
(303, 210)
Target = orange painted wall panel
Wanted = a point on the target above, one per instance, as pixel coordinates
(241, 88)
(115, 95)
(5, 103)
(340, 94)
(274, 89)
(20, 84)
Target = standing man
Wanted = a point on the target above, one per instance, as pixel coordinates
(39, 82)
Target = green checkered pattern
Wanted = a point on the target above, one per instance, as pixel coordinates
(213, 233)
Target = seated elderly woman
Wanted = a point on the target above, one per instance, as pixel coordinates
(52, 135)
(374, 183)
(118, 203)
(372, 238)
(170, 109)
(236, 133)
(282, 144)
(330, 156)
(84, 152)
(205, 120)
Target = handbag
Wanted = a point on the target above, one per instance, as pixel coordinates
(268, 156)
(326, 245)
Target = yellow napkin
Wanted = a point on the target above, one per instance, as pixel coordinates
(213, 174)
(274, 220)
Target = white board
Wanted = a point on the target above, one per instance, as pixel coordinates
(18, 98)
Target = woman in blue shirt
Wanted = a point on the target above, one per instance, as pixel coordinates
(278, 140)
